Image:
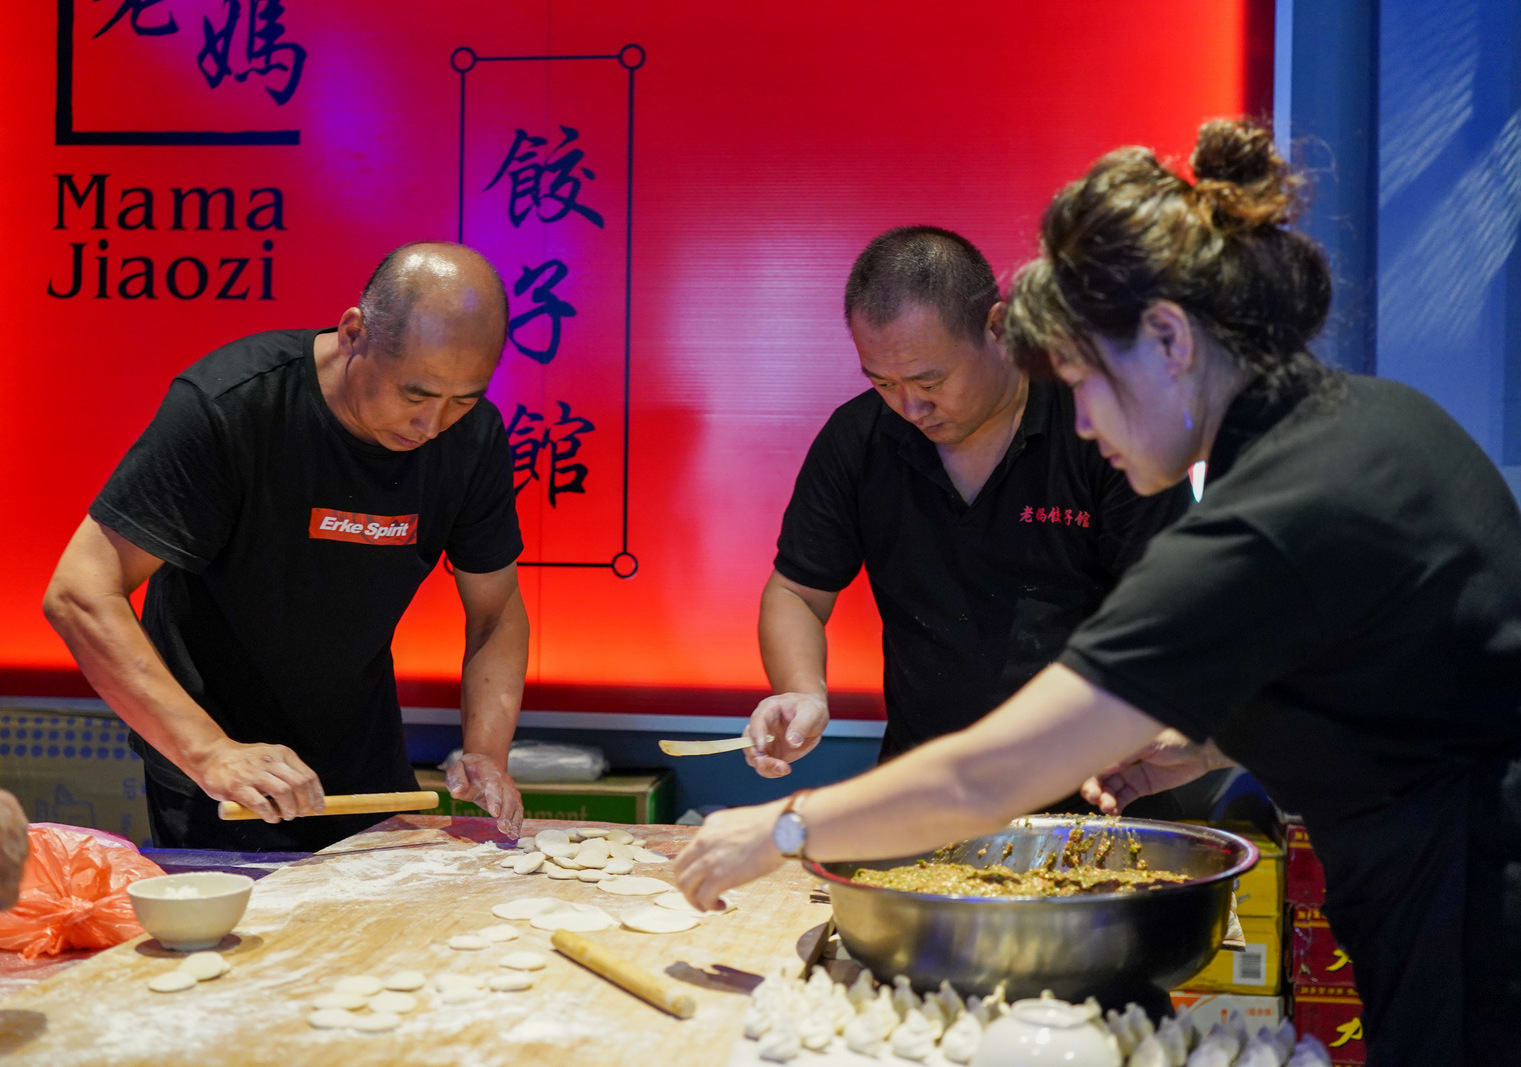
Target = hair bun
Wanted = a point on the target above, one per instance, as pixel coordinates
(1239, 168)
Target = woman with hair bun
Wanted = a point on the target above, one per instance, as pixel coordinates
(1340, 613)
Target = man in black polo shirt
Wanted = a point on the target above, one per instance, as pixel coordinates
(988, 529)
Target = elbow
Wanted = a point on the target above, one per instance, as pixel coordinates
(63, 608)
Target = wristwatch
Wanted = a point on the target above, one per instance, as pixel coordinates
(790, 834)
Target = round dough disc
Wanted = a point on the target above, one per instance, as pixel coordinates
(204, 966)
(406, 981)
(634, 885)
(644, 855)
(331, 1019)
(362, 984)
(393, 1003)
(617, 866)
(568, 915)
(339, 1002)
(468, 942)
(512, 982)
(525, 961)
(619, 851)
(561, 874)
(546, 837)
(678, 903)
(376, 1022)
(591, 874)
(172, 982)
(447, 983)
(498, 933)
(648, 919)
(523, 908)
(620, 835)
(526, 843)
(524, 864)
(593, 831)
(460, 996)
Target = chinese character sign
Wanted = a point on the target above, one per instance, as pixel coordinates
(545, 194)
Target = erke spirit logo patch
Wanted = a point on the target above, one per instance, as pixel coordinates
(330, 525)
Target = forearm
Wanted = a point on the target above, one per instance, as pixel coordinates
(108, 642)
(491, 683)
(1033, 749)
(793, 646)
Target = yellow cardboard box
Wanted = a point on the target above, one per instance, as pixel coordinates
(1257, 971)
(1260, 890)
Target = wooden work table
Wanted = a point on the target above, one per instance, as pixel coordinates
(388, 900)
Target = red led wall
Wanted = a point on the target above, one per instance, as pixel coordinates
(769, 143)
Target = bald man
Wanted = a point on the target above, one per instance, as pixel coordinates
(291, 493)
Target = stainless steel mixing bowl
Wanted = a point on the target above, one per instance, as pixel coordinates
(1073, 946)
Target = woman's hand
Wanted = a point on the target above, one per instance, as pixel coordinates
(1170, 760)
(733, 847)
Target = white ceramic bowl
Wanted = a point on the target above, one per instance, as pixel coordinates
(190, 912)
(1044, 1032)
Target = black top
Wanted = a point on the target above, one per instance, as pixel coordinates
(975, 598)
(1342, 614)
(292, 548)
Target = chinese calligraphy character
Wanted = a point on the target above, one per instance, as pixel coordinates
(136, 9)
(262, 50)
(545, 302)
(1027, 514)
(527, 188)
(1082, 518)
(1040, 515)
(1069, 516)
(528, 437)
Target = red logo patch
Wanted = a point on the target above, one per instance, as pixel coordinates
(330, 525)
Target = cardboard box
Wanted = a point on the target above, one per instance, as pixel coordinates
(1335, 1015)
(1260, 891)
(1306, 879)
(1256, 971)
(1314, 956)
(75, 769)
(626, 797)
(1207, 1009)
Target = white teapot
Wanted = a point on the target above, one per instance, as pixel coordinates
(1045, 1031)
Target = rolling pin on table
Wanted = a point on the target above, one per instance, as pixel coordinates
(349, 804)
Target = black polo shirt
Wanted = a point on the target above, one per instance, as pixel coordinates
(975, 598)
(1342, 614)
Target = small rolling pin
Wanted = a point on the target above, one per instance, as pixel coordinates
(350, 804)
(614, 968)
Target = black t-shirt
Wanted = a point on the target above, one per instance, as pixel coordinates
(292, 549)
(975, 598)
(1342, 614)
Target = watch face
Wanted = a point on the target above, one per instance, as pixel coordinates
(789, 835)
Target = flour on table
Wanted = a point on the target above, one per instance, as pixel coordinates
(448, 983)
(634, 885)
(648, 919)
(172, 982)
(461, 996)
(525, 961)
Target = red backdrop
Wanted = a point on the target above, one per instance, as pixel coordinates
(769, 144)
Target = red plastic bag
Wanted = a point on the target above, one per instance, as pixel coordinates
(74, 892)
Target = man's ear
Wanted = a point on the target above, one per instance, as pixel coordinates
(352, 339)
(996, 315)
(1168, 327)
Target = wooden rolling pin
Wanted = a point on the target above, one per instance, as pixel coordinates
(350, 804)
(657, 991)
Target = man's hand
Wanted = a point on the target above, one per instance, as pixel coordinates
(1169, 761)
(733, 847)
(13, 849)
(476, 778)
(794, 722)
(268, 780)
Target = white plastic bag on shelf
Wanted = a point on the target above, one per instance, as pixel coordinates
(546, 761)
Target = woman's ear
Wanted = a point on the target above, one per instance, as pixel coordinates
(1168, 327)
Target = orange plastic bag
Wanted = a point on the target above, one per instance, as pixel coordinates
(74, 892)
